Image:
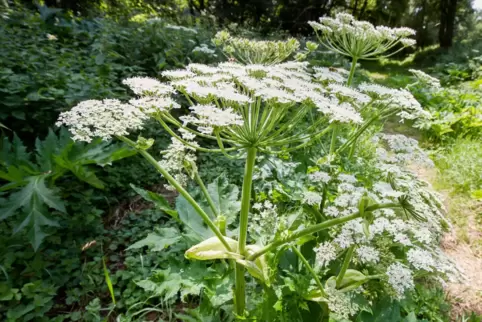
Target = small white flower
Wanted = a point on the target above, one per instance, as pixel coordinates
(349, 178)
(400, 278)
(208, 117)
(331, 211)
(421, 259)
(319, 176)
(154, 104)
(147, 85)
(426, 79)
(104, 119)
(330, 74)
(368, 254)
(312, 198)
(325, 253)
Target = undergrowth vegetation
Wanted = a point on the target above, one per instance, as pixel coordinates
(156, 168)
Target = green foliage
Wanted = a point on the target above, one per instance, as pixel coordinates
(31, 177)
(51, 62)
(460, 166)
(454, 113)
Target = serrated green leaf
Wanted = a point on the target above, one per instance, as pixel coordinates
(45, 150)
(160, 240)
(191, 219)
(87, 175)
(225, 197)
(32, 199)
(158, 200)
(37, 184)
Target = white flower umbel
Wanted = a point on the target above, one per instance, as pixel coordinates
(360, 39)
(426, 79)
(341, 304)
(147, 86)
(421, 259)
(325, 253)
(336, 75)
(209, 117)
(248, 51)
(392, 101)
(312, 198)
(104, 119)
(367, 254)
(319, 176)
(178, 158)
(400, 278)
(154, 104)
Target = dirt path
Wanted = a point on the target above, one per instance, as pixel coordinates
(463, 243)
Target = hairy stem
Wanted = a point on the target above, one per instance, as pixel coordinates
(318, 227)
(181, 190)
(333, 139)
(206, 194)
(310, 269)
(243, 229)
(352, 71)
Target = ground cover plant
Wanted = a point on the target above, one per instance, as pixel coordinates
(352, 228)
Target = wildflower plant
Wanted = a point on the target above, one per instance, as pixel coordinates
(249, 51)
(261, 111)
(360, 39)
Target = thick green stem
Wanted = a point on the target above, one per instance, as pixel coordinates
(318, 227)
(181, 190)
(206, 194)
(352, 71)
(243, 229)
(333, 139)
(310, 269)
(344, 267)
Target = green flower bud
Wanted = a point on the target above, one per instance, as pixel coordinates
(311, 46)
(143, 143)
(212, 248)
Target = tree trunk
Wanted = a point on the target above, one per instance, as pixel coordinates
(363, 8)
(448, 9)
(355, 8)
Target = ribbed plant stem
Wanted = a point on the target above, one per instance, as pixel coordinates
(181, 191)
(240, 285)
(206, 194)
(310, 269)
(318, 227)
(344, 267)
(333, 139)
(352, 71)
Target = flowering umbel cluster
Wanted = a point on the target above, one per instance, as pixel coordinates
(249, 51)
(360, 39)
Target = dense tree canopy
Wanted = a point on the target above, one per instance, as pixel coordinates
(435, 20)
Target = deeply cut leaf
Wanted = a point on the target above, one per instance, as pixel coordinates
(159, 240)
(158, 200)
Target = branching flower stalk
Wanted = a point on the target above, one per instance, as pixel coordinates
(359, 40)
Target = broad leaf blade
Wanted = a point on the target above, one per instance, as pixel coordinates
(225, 197)
(191, 219)
(158, 200)
(159, 240)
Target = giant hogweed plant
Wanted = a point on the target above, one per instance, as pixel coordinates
(262, 111)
